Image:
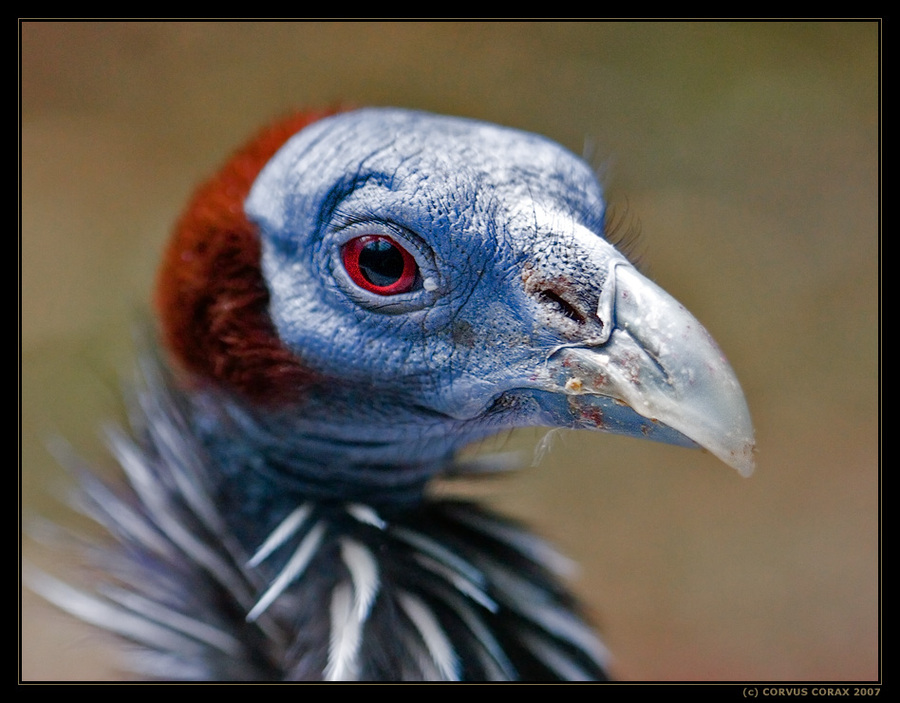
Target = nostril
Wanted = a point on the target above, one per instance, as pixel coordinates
(563, 305)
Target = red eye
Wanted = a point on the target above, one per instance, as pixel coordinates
(379, 265)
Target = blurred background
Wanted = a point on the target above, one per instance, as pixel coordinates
(747, 154)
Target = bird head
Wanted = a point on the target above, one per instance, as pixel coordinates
(391, 285)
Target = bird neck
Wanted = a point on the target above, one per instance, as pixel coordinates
(245, 563)
(266, 460)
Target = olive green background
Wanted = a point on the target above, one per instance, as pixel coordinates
(746, 153)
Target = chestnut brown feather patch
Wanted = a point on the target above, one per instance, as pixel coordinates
(211, 298)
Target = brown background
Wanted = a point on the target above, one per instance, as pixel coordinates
(748, 154)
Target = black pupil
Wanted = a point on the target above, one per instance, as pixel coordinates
(381, 263)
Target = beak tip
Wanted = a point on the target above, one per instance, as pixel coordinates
(742, 460)
(726, 431)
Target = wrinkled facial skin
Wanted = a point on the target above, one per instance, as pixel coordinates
(465, 209)
(513, 312)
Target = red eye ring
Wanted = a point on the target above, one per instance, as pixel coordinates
(378, 264)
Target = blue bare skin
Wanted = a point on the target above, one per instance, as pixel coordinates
(522, 314)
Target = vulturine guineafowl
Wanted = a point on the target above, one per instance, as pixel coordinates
(352, 299)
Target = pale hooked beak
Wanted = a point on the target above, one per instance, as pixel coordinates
(655, 373)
